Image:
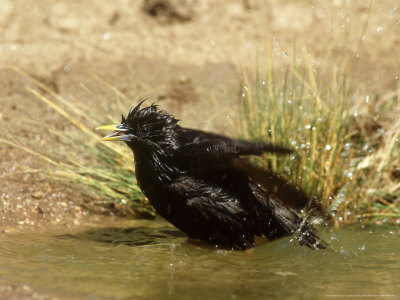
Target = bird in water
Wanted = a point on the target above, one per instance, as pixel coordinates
(204, 184)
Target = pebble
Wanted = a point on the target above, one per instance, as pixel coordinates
(26, 288)
(37, 195)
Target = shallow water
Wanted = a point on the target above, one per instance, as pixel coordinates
(151, 260)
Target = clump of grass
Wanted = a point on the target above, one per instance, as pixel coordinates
(104, 171)
(348, 180)
(377, 174)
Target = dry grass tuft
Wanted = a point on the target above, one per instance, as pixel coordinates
(102, 170)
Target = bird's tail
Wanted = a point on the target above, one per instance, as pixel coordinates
(285, 222)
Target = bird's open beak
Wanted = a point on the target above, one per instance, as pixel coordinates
(116, 135)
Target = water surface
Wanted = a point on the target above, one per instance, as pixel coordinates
(152, 260)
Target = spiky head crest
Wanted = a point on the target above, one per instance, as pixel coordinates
(151, 124)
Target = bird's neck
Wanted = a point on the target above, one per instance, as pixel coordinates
(153, 168)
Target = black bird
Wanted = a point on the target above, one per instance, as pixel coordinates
(200, 182)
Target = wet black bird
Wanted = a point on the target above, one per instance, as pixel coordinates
(201, 183)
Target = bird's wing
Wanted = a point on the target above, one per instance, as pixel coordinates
(198, 143)
(208, 153)
(287, 191)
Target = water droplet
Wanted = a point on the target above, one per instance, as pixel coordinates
(328, 147)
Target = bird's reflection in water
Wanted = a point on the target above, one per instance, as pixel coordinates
(133, 236)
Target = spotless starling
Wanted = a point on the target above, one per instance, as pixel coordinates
(203, 183)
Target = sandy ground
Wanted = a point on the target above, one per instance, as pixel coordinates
(185, 54)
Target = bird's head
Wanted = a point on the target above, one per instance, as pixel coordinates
(146, 126)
